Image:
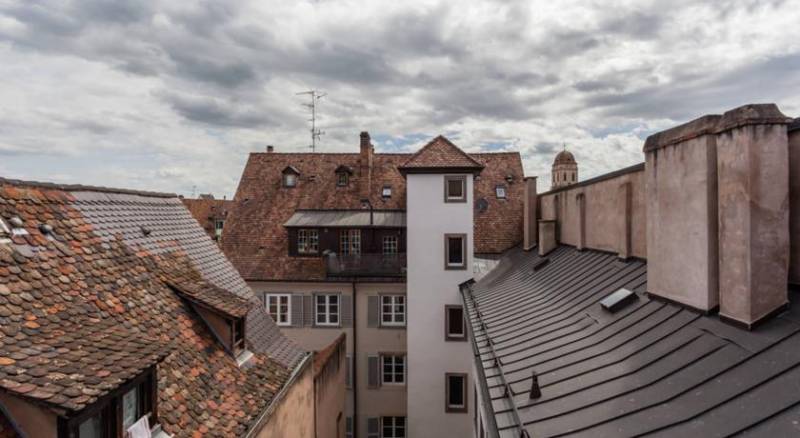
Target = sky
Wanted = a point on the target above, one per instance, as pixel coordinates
(172, 96)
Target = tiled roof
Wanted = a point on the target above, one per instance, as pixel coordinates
(84, 308)
(652, 368)
(255, 239)
(206, 211)
(440, 153)
(209, 295)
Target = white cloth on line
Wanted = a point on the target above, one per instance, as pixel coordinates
(140, 429)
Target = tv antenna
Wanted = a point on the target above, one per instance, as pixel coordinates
(315, 133)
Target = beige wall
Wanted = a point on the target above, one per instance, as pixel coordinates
(33, 420)
(604, 214)
(294, 413)
(794, 204)
(330, 397)
(372, 402)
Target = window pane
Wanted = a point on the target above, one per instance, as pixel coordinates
(91, 428)
(455, 318)
(455, 188)
(130, 403)
(456, 396)
(454, 255)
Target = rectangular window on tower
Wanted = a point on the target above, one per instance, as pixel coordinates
(455, 251)
(455, 188)
(456, 392)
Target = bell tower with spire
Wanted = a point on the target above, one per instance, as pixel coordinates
(565, 169)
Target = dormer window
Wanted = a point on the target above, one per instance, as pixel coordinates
(386, 192)
(500, 191)
(343, 175)
(290, 176)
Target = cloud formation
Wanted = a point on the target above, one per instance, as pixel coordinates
(171, 96)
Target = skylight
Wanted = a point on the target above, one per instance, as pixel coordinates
(500, 191)
(386, 192)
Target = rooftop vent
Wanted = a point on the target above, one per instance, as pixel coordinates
(618, 300)
(17, 226)
(145, 231)
(46, 229)
(510, 179)
(536, 391)
(4, 230)
(540, 264)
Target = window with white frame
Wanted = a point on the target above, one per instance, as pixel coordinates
(327, 309)
(279, 308)
(289, 179)
(455, 188)
(350, 242)
(307, 241)
(386, 192)
(390, 245)
(500, 191)
(393, 310)
(393, 369)
(393, 427)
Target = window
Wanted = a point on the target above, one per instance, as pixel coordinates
(393, 310)
(456, 392)
(218, 224)
(278, 308)
(118, 413)
(327, 309)
(386, 192)
(455, 188)
(390, 244)
(307, 241)
(393, 427)
(342, 179)
(348, 427)
(289, 180)
(350, 242)
(455, 256)
(393, 369)
(455, 327)
(500, 191)
(238, 335)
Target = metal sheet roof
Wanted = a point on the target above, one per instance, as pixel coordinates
(652, 368)
(346, 218)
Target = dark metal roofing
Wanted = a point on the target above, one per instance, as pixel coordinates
(346, 218)
(650, 369)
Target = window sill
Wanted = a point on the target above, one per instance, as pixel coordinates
(455, 339)
(392, 326)
(327, 326)
(455, 267)
(450, 410)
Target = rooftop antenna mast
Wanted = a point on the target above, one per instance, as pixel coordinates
(315, 133)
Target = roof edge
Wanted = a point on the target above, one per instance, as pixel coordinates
(85, 188)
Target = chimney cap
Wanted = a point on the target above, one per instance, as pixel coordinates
(364, 134)
(270, 148)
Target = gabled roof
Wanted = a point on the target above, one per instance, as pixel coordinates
(344, 169)
(206, 211)
(208, 295)
(291, 169)
(650, 369)
(84, 307)
(440, 154)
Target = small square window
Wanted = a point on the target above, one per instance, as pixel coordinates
(389, 245)
(279, 308)
(307, 241)
(386, 192)
(289, 180)
(500, 191)
(455, 327)
(455, 188)
(342, 179)
(393, 369)
(393, 310)
(455, 251)
(327, 309)
(456, 392)
(393, 427)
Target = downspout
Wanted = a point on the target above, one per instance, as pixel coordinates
(273, 404)
(315, 402)
(355, 361)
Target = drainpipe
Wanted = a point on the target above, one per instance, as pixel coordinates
(355, 362)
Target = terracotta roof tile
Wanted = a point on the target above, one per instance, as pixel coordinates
(207, 211)
(85, 307)
(440, 153)
(255, 240)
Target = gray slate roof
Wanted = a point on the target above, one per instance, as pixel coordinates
(651, 369)
(167, 220)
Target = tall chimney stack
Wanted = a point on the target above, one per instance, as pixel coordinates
(365, 165)
(530, 230)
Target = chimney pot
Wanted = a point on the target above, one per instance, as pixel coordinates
(270, 148)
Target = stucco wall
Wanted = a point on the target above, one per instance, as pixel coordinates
(294, 414)
(330, 397)
(430, 288)
(604, 214)
(794, 204)
(33, 420)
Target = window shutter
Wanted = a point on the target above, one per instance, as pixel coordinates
(373, 311)
(297, 310)
(346, 307)
(348, 373)
(373, 370)
(308, 310)
(373, 427)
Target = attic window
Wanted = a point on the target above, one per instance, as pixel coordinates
(386, 192)
(290, 175)
(342, 179)
(500, 191)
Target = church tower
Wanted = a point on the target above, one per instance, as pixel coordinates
(565, 170)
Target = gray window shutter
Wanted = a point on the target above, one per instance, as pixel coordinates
(346, 306)
(373, 311)
(297, 310)
(348, 427)
(373, 372)
(348, 373)
(373, 427)
(308, 310)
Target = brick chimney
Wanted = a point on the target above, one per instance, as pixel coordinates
(270, 149)
(365, 165)
(530, 226)
(753, 173)
(681, 196)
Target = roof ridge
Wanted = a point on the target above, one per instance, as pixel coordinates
(85, 188)
(447, 142)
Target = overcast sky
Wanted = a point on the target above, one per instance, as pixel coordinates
(172, 95)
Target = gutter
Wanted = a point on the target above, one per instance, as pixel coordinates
(489, 420)
(298, 370)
